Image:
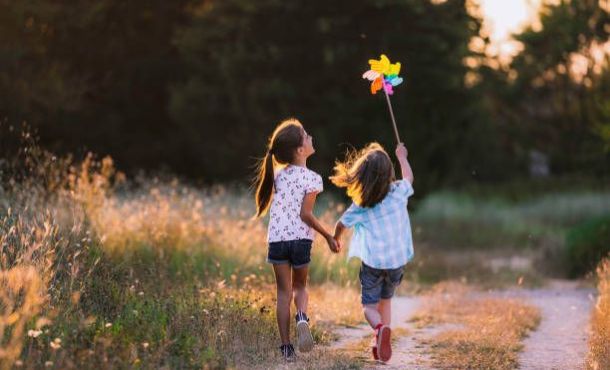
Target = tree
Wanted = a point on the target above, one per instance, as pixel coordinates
(92, 75)
(248, 65)
(561, 112)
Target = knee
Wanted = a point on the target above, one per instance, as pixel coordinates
(369, 307)
(299, 287)
(284, 295)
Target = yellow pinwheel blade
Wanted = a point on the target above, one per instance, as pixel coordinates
(394, 69)
(382, 65)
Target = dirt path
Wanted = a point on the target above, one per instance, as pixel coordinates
(560, 341)
(407, 352)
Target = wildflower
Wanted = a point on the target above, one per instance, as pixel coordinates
(34, 333)
(56, 343)
(108, 324)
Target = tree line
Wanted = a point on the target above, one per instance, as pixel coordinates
(196, 87)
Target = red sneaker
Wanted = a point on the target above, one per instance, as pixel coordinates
(374, 348)
(384, 343)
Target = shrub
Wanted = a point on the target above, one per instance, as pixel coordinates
(586, 245)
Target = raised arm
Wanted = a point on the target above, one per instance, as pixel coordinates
(405, 167)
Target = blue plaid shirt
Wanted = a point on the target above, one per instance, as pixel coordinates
(382, 234)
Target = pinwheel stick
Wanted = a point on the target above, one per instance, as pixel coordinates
(387, 98)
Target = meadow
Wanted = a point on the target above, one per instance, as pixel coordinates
(97, 270)
(102, 271)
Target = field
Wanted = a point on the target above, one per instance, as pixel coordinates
(98, 270)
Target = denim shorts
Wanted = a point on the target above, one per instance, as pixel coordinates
(379, 284)
(295, 252)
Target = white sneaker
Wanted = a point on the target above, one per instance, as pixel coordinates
(304, 337)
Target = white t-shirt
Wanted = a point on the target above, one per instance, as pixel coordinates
(291, 185)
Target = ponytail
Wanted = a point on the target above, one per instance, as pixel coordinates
(264, 187)
(287, 137)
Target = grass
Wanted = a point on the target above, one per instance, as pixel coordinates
(599, 342)
(488, 331)
(469, 221)
(98, 273)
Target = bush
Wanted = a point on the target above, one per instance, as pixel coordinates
(587, 244)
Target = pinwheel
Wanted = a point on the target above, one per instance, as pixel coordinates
(384, 75)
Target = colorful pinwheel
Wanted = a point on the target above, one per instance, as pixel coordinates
(384, 75)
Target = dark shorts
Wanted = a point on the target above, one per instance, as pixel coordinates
(295, 252)
(379, 284)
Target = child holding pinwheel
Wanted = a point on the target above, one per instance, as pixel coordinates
(288, 189)
(382, 231)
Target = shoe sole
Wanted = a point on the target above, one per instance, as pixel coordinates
(305, 338)
(384, 344)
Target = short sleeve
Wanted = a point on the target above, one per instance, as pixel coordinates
(314, 184)
(404, 188)
(351, 216)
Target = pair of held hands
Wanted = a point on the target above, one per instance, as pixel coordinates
(334, 241)
(334, 244)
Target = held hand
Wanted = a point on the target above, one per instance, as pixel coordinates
(401, 151)
(332, 244)
(339, 246)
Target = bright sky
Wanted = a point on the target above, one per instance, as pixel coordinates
(503, 17)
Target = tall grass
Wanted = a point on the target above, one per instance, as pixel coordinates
(98, 272)
(461, 220)
(599, 342)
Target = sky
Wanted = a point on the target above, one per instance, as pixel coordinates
(503, 17)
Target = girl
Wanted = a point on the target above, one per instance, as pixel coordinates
(290, 195)
(382, 236)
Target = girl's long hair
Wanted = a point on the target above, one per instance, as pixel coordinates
(283, 143)
(367, 174)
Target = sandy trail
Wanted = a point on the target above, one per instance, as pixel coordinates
(559, 342)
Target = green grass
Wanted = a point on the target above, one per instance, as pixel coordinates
(457, 220)
(169, 276)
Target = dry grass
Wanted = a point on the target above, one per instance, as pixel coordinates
(21, 298)
(333, 304)
(599, 343)
(99, 273)
(489, 333)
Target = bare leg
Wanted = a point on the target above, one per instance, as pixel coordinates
(284, 296)
(372, 315)
(299, 284)
(385, 310)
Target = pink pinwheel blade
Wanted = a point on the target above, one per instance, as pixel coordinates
(387, 86)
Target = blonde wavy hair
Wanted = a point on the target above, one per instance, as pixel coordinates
(366, 174)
